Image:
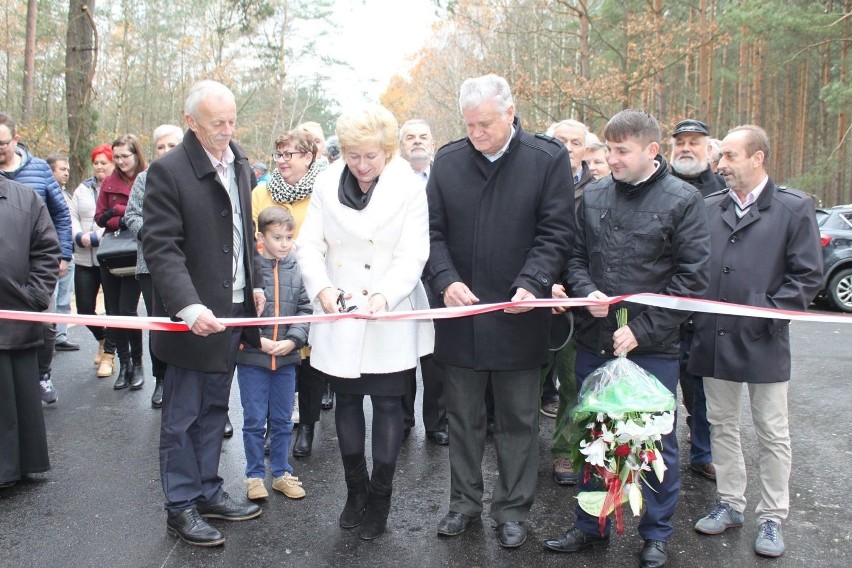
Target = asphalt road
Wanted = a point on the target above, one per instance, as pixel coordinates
(101, 504)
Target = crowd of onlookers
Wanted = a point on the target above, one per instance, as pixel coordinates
(373, 219)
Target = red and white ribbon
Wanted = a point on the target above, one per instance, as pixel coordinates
(658, 300)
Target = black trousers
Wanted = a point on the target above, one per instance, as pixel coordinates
(158, 367)
(311, 385)
(121, 295)
(434, 402)
(87, 283)
(195, 408)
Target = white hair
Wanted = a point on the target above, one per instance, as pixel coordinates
(167, 130)
(413, 122)
(551, 130)
(476, 90)
(202, 90)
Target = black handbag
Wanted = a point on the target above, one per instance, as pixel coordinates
(117, 252)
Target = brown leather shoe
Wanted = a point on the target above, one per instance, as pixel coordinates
(707, 470)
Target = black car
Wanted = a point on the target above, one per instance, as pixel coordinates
(835, 225)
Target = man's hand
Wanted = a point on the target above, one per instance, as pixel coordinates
(377, 303)
(623, 341)
(259, 302)
(207, 324)
(520, 294)
(457, 294)
(558, 291)
(598, 311)
(63, 268)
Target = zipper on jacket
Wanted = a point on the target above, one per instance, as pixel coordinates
(276, 308)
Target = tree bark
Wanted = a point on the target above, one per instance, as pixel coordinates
(29, 62)
(80, 61)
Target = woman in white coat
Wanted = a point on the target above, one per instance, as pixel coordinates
(363, 244)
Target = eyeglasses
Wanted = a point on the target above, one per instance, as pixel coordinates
(4, 143)
(118, 157)
(286, 156)
(341, 301)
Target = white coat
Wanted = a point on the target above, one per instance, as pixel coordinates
(379, 250)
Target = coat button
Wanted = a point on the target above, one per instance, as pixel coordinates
(726, 269)
(723, 299)
(721, 332)
(226, 283)
(603, 351)
(609, 269)
(224, 212)
(366, 267)
(544, 280)
(364, 292)
(734, 239)
(226, 249)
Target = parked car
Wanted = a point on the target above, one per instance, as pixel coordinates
(835, 226)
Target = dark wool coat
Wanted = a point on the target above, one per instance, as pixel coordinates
(771, 258)
(29, 255)
(706, 182)
(497, 227)
(187, 238)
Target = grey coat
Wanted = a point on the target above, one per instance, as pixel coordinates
(282, 280)
(770, 258)
(133, 218)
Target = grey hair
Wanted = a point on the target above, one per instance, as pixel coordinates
(413, 122)
(202, 90)
(476, 90)
(167, 129)
(551, 130)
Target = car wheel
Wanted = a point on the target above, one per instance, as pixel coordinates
(840, 290)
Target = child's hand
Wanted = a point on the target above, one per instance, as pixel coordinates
(282, 347)
(267, 345)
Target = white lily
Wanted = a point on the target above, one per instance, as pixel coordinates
(658, 465)
(595, 452)
(635, 496)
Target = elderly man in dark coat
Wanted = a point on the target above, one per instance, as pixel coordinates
(500, 222)
(765, 252)
(30, 257)
(198, 241)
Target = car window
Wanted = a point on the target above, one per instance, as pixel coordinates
(847, 218)
(821, 216)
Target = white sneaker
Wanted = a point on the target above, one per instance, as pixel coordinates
(295, 416)
(48, 391)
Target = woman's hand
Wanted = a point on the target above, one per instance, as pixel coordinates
(328, 300)
(377, 303)
(283, 347)
(86, 239)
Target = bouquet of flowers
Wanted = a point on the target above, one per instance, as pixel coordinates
(622, 413)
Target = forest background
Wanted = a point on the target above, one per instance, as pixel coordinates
(77, 73)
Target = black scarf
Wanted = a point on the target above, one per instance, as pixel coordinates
(349, 193)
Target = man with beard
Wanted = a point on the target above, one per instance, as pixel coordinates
(691, 150)
(639, 230)
(417, 147)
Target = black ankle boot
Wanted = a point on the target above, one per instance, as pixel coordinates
(378, 504)
(327, 402)
(157, 397)
(304, 440)
(125, 374)
(138, 378)
(357, 490)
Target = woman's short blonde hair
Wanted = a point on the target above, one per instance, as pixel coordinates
(368, 124)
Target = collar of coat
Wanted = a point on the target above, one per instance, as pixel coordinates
(199, 160)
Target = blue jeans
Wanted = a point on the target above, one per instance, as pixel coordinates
(695, 403)
(61, 301)
(267, 393)
(661, 498)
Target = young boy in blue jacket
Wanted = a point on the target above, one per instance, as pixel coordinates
(267, 376)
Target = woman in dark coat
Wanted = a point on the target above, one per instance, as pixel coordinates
(30, 259)
(121, 293)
